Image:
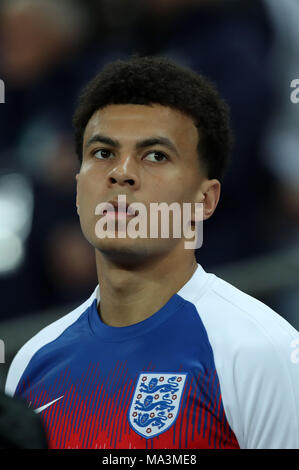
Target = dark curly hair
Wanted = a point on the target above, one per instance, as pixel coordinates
(157, 80)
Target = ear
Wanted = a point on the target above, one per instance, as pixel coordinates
(208, 195)
(211, 190)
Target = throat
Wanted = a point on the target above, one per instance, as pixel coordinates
(124, 313)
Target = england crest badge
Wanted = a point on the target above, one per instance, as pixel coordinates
(156, 402)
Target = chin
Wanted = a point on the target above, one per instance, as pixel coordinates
(121, 246)
(133, 252)
(124, 255)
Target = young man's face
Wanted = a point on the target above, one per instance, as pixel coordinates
(120, 157)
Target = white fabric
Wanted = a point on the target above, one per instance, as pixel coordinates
(252, 347)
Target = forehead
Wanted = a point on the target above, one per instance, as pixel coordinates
(142, 121)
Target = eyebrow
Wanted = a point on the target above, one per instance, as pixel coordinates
(150, 142)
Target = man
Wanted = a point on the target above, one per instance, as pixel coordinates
(163, 354)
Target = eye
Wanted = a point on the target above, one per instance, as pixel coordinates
(102, 154)
(157, 156)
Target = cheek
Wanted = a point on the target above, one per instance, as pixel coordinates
(175, 190)
(87, 189)
(86, 209)
(166, 186)
(86, 200)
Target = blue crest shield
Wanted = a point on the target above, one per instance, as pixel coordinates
(156, 402)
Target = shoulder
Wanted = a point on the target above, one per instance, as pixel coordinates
(223, 307)
(252, 347)
(43, 337)
(234, 307)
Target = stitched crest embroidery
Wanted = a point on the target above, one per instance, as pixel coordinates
(156, 402)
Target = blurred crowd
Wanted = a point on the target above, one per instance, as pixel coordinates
(49, 49)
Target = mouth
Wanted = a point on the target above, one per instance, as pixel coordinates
(120, 210)
(118, 214)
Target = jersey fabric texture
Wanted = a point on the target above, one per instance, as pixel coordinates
(211, 369)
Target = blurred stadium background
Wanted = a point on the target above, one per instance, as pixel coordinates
(49, 49)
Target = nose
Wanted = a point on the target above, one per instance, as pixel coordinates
(124, 173)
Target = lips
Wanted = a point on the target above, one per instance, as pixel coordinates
(119, 208)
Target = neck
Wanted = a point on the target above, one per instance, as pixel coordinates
(131, 294)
